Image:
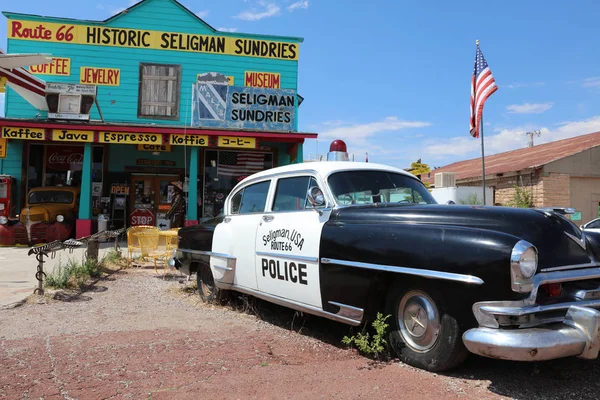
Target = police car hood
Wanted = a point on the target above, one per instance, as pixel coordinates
(558, 240)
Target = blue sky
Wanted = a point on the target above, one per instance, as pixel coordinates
(392, 78)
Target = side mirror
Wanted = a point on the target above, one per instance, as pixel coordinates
(450, 202)
(316, 197)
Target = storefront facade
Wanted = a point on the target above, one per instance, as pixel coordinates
(153, 113)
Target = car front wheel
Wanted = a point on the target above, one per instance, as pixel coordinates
(423, 332)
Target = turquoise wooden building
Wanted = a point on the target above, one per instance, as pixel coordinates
(153, 112)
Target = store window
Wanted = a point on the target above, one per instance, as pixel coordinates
(225, 169)
(159, 91)
(52, 165)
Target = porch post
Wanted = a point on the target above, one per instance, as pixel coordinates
(84, 222)
(192, 204)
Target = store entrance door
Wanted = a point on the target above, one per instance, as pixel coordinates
(153, 198)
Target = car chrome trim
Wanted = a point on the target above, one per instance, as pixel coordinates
(581, 242)
(207, 253)
(520, 283)
(425, 273)
(297, 306)
(347, 311)
(576, 336)
(568, 267)
(287, 256)
(223, 267)
(485, 311)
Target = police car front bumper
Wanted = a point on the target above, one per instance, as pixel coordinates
(577, 335)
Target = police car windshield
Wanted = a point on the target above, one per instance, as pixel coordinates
(51, 196)
(368, 187)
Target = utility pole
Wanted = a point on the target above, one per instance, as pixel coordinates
(530, 134)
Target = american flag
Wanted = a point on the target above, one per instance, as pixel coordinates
(483, 85)
(240, 164)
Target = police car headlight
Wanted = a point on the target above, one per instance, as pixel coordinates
(60, 218)
(3, 220)
(523, 264)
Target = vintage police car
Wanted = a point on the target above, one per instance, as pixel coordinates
(344, 240)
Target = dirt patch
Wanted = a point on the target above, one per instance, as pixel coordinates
(137, 335)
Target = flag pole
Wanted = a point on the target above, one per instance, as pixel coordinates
(482, 159)
(482, 150)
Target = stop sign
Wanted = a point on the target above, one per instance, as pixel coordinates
(141, 217)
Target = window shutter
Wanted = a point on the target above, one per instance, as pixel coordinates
(159, 91)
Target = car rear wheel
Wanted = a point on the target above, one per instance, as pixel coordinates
(423, 332)
(207, 289)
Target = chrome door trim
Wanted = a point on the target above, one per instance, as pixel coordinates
(348, 311)
(287, 256)
(425, 273)
(208, 253)
(297, 306)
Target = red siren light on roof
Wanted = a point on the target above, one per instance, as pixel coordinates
(337, 151)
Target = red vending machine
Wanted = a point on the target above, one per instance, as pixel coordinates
(8, 196)
(12, 232)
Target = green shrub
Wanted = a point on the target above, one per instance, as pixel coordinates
(112, 256)
(59, 278)
(368, 345)
(522, 198)
(73, 274)
(471, 199)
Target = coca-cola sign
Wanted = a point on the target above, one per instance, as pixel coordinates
(64, 158)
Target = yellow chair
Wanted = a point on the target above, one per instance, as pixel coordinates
(171, 243)
(133, 244)
(149, 245)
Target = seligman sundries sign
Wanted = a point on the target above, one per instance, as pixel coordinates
(216, 104)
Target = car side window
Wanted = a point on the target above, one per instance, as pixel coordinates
(291, 193)
(594, 225)
(236, 201)
(254, 198)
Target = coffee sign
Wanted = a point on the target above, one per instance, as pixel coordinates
(9, 132)
(64, 135)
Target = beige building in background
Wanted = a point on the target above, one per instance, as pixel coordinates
(565, 173)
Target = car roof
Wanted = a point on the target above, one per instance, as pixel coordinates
(325, 168)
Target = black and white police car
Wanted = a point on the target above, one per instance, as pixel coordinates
(344, 240)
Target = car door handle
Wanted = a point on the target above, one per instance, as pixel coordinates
(268, 218)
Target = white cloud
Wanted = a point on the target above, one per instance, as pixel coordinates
(202, 14)
(523, 85)
(227, 29)
(465, 147)
(299, 4)
(1, 104)
(100, 7)
(359, 137)
(592, 82)
(267, 11)
(361, 132)
(529, 108)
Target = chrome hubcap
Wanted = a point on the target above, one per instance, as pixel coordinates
(419, 321)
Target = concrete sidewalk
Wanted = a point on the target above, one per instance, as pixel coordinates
(17, 270)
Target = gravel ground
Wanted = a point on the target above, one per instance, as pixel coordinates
(135, 335)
